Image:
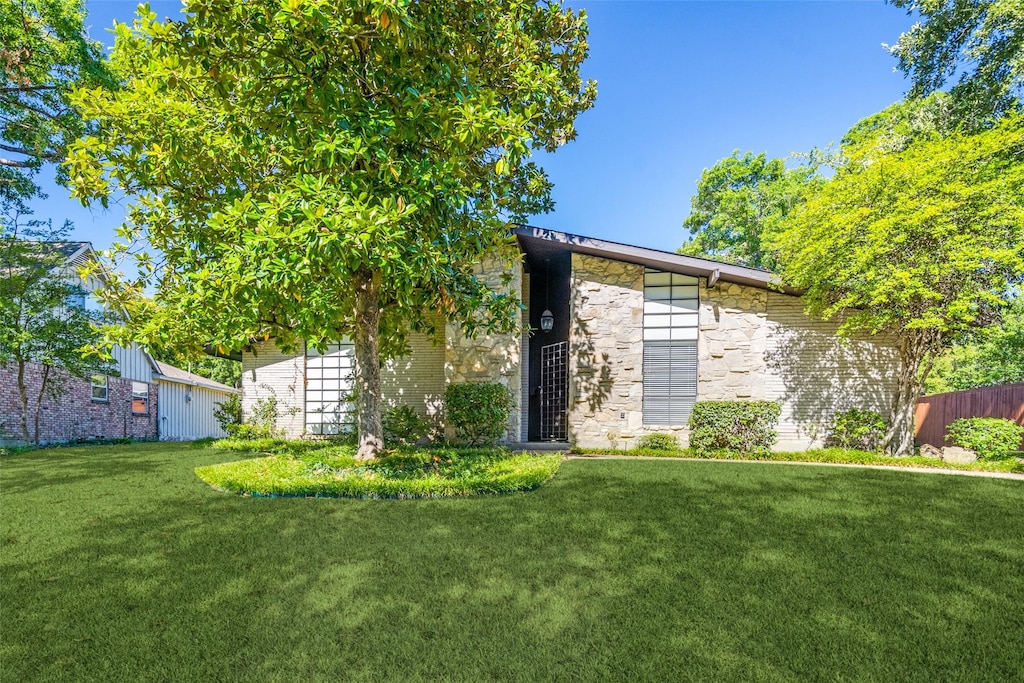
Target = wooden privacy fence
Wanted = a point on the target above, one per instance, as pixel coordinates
(934, 413)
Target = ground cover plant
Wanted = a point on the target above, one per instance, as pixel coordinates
(291, 468)
(118, 564)
(835, 456)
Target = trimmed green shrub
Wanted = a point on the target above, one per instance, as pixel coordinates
(738, 427)
(478, 412)
(992, 438)
(658, 442)
(403, 426)
(859, 429)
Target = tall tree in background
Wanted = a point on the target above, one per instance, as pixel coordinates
(989, 356)
(737, 201)
(315, 170)
(44, 55)
(40, 319)
(980, 42)
(921, 241)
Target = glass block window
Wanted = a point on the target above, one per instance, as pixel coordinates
(99, 387)
(329, 409)
(140, 398)
(671, 303)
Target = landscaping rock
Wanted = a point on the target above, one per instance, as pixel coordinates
(930, 451)
(955, 454)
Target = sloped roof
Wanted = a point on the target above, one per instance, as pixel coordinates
(540, 240)
(169, 373)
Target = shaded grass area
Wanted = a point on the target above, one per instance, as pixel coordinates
(324, 469)
(822, 455)
(118, 564)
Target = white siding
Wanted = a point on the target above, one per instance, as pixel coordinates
(266, 371)
(417, 379)
(132, 363)
(814, 374)
(186, 412)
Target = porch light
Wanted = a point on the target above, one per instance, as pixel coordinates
(547, 321)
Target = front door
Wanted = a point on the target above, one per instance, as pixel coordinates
(554, 391)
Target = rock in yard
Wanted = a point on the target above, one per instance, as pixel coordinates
(956, 454)
(930, 451)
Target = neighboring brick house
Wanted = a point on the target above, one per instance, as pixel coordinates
(146, 399)
(636, 337)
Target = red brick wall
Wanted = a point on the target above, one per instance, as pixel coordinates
(73, 415)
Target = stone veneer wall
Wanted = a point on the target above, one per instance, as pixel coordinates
(605, 351)
(490, 357)
(753, 344)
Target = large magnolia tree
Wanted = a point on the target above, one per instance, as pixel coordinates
(920, 235)
(309, 170)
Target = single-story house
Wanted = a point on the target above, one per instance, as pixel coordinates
(636, 337)
(145, 399)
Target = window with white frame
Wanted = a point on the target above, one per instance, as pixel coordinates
(328, 389)
(140, 398)
(670, 347)
(99, 387)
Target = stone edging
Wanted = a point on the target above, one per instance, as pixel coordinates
(890, 468)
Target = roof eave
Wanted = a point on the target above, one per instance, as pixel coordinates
(657, 259)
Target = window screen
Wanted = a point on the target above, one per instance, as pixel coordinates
(670, 347)
(99, 387)
(328, 389)
(140, 398)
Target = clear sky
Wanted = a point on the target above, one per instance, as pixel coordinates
(680, 85)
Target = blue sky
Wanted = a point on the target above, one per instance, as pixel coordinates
(680, 85)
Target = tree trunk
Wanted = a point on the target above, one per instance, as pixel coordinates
(366, 339)
(39, 399)
(899, 435)
(23, 397)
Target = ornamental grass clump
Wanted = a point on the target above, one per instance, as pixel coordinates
(992, 438)
(733, 428)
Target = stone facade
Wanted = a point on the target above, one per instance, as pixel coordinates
(731, 343)
(490, 357)
(752, 344)
(71, 414)
(605, 352)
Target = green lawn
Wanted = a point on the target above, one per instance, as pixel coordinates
(119, 564)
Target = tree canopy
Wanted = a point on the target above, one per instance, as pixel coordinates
(978, 42)
(44, 55)
(922, 242)
(738, 200)
(314, 170)
(989, 356)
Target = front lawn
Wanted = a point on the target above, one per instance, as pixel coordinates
(119, 564)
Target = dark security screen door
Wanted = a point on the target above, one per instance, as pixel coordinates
(554, 387)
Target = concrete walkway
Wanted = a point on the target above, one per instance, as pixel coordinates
(890, 468)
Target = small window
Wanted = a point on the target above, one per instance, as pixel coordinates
(140, 398)
(99, 387)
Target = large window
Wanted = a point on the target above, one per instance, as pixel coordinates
(140, 398)
(328, 389)
(99, 387)
(670, 347)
